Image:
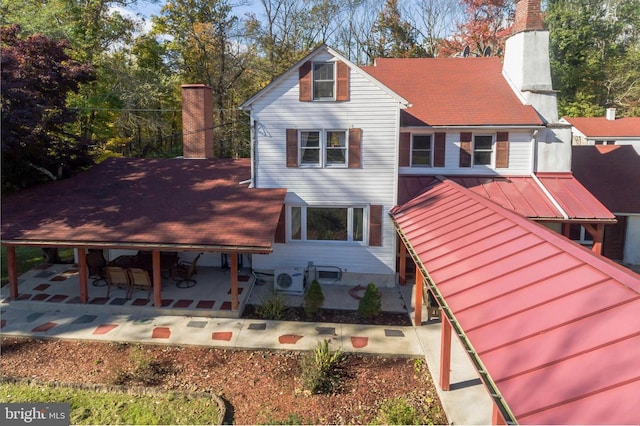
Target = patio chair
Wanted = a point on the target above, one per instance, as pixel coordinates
(117, 277)
(96, 264)
(184, 271)
(139, 279)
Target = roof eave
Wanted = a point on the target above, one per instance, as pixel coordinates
(138, 246)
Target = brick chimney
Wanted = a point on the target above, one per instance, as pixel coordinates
(197, 121)
(528, 16)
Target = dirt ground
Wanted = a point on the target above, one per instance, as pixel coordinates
(259, 387)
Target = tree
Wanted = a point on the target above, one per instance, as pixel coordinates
(393, 37)
(436, 19)
(37, 75)
(486, 27)
(205, 48)
(595, 59)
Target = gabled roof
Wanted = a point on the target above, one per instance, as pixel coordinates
(550, 196)
(157, 202)
(314, 53)
(611, 173)
(554, 326)
(600, 127)
(454, 92)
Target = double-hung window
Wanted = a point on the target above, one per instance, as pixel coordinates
(323, 148)
(323, 81)
(421, 150)
(482, 150)
(309, 223)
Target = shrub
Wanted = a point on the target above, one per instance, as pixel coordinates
(143, 370)
(319, 369)
(398, 411)
(313, 300)
(272, 307)
(371, 304)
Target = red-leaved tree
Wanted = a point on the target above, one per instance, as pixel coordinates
(37, 75)
(487, 25)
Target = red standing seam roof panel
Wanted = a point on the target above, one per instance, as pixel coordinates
(555, 326)
(522, 194)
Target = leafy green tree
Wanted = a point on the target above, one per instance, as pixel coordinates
(392, 36)
(37, 75)
(595, 57)
(205, 48)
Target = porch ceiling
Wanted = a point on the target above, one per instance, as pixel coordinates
(164, 203)
(554, 326)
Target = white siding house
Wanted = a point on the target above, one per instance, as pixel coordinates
(328, 172)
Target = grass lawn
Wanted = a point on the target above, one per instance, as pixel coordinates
(102, 408)
(27, 259)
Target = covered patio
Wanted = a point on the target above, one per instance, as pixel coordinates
(551, 328)
(151, 205)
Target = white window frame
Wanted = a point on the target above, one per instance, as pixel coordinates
(323, 149)
(315, 97)
(350, 224)
(492, 162)
(431, 136)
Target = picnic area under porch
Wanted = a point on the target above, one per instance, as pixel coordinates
(60, 286)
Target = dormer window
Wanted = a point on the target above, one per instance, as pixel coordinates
(323, 81)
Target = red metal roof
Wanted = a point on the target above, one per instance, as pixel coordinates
(600, 127)
(611, 173)
(522, 194)
(555, 326)
(453, 92)
(148, 201)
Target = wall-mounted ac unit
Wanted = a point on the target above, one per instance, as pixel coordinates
(289, 281)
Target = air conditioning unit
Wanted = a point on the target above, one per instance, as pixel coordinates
(289, 281)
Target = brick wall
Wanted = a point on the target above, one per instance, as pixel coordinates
(197, 121)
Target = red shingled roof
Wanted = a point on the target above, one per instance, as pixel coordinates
(611, 173)
(162, 202)
(600, 127)
(453, 92)
(555, 326)
(522, 194)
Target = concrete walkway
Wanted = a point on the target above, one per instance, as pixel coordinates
(466, 403)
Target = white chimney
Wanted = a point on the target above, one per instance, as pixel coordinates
(527, 67)
(611, 114)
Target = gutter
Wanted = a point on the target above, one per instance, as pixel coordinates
(125, 246)
(491, 386)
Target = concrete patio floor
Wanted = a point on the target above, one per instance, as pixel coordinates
(201, 316)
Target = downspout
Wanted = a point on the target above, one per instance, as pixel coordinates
(252, 142)
(491, 386)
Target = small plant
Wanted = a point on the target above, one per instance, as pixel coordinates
(319, 369)
(398, 411)
(371, 304)
(313, 300)
(272, 307)
(145, 370)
